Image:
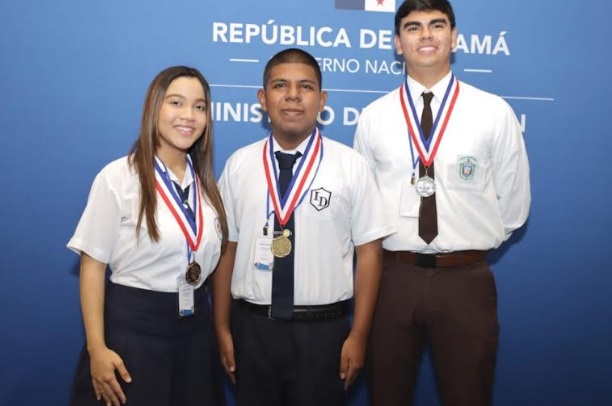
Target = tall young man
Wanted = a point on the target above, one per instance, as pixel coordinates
(451, 165)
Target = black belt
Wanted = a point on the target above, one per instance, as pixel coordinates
(449, 259)
(314, 312)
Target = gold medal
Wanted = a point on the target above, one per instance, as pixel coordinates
(193, 274)
(281, 245)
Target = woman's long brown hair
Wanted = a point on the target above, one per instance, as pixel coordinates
(142, 153)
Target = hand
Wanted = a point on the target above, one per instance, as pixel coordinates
(226, 353)
(104, 363)
(352, 359)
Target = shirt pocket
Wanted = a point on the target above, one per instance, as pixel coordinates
(466, 173)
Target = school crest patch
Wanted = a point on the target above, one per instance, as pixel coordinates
(467, 167)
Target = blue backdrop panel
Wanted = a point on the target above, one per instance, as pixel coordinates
(73, 75)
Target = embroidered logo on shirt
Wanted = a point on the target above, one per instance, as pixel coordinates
(467, 167)
(320, 198)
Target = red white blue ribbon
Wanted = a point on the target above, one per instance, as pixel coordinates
(193, 230)
(423, 145)
(302, 178)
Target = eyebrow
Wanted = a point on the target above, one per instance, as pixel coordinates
(182, 97)
(430, 22)
(314, 81)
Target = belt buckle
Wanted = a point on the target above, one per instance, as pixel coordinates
(425, 260)
(270, 313)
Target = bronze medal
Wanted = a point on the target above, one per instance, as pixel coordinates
(193, 274)
(281, 245)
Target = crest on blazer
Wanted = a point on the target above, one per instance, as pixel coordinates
(467, 167)
(320, 198)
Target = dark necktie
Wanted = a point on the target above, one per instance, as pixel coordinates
(184, 196)
(282, 273)
(428, 215)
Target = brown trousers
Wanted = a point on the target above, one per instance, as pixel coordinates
(454, 311)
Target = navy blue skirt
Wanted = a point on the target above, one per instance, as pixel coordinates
(172, 360)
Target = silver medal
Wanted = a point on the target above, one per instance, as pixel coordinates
(425, 186)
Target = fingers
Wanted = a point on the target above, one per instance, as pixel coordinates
(349, 367)
(110, 391)
(97, 389)
(123, 372)
(229, 364)
(351, 375)
(226, 353)
(110, 396)
(111, 386)
(344, 366)
(105, 365)
(117, 392)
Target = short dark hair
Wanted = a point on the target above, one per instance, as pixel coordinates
(292, 55)
(408, 6)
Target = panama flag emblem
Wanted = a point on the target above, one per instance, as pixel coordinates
(384, 6)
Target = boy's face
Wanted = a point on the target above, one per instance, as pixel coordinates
(426, 41)
(293, 99)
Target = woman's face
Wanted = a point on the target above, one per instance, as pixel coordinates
(182, 116)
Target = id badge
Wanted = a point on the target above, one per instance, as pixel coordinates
(185, 297)
(263, 254)
(409, 201)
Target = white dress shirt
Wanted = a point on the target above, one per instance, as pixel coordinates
(107, 233)
(324, 236)
(479, 211)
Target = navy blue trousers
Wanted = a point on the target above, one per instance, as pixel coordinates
(288, 363)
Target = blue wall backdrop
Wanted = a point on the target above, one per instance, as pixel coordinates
(73, 75)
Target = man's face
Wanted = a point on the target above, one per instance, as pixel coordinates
(426, 41)
(293, 99)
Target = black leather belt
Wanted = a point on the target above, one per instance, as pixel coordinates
(315, 312)
(449, 259)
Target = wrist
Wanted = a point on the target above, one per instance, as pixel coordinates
(97, 346)
(358, 334)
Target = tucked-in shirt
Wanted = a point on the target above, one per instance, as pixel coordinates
(342, 209)
(481, 169)
(107, 233)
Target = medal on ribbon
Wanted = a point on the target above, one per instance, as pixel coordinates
(300, 183)
(427, 147)
(193, 274)
(425, 186)
(281, 245)
(192, 229)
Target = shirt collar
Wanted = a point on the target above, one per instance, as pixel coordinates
(187, 178)
(439, 89)
(300, 148)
